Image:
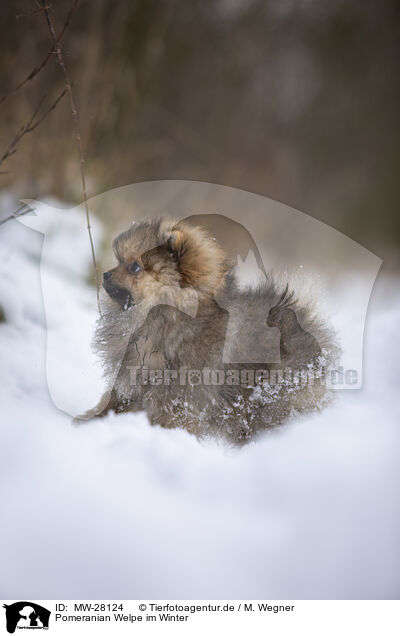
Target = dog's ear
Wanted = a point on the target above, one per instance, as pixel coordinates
(175, 244)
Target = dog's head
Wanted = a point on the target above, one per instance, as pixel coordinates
(162, 257)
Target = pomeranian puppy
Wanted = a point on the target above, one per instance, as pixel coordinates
(162, 337)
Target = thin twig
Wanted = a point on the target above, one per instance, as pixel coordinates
(60, 59)
(52, 107)
(35, 71)
(30, 126)
(28, 13)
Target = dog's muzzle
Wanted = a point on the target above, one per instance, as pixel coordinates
(121, 295)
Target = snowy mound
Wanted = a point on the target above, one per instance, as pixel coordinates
(121, 509)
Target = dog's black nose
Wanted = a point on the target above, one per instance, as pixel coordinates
(107, 276)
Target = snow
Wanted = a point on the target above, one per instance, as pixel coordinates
(121, 509)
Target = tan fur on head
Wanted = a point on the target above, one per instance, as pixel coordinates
(171, 256)
(202, 262)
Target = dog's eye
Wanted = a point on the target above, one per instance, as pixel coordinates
(134, 267)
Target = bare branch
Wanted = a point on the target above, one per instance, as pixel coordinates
(30, 126)
(48, 111)
(28, 13)
(36, 70)
(60, 59)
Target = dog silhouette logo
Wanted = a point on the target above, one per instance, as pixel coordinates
(26, 615)
(264, 239)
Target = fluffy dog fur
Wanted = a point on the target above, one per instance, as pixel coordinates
(168, 304)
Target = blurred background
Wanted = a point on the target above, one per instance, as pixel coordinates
(297, 100)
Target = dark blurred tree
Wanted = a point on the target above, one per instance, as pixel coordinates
(295, 100)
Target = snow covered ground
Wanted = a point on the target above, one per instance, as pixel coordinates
(120, 509)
